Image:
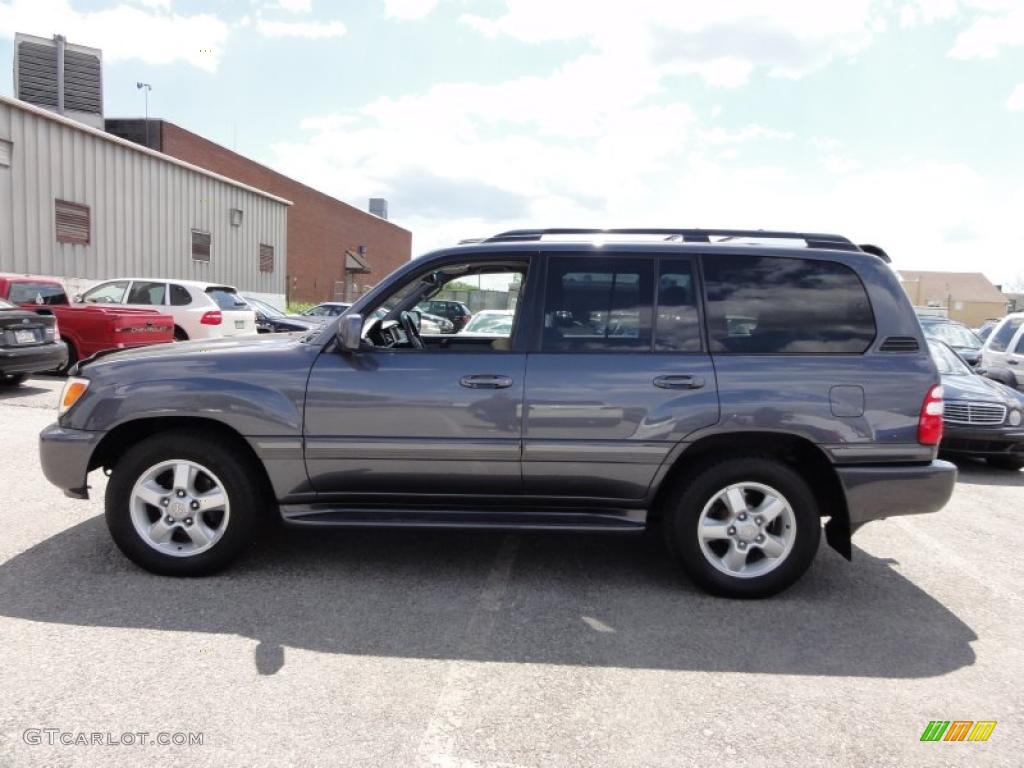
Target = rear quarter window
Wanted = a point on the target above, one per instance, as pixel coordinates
(778, 305)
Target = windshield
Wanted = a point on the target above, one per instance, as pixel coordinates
(266, 309)
(952, 334)
(947, 361)
(490, 323)
(226, 298)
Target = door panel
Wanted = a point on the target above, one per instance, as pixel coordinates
(620, 378)
(410, 421)
(597, 425)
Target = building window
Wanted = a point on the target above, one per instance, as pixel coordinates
(266, 258)
(72, 222)
(236, 217)
(201, 242)
(6, 150)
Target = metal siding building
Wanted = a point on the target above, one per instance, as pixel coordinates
(143, 206)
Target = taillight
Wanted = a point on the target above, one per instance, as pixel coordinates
(212, 318)
(929, 425)
(53, 334)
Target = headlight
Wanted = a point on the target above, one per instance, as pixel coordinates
(73, 390)
(1014, 418)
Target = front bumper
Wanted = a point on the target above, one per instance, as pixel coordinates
(983, 441)
(64, 455)
(875, 492)
(41, 357)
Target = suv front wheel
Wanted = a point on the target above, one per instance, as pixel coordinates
(182, 504)
(743, 527)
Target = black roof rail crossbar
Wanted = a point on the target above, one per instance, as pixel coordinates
(813, 240)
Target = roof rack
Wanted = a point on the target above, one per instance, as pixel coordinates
(813, 240)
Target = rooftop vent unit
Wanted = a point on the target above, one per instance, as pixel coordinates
(61, 77)
(379, 207)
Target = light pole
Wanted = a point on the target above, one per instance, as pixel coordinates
(148, 88)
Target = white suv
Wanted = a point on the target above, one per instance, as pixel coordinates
(1003, 352)
(200, 310)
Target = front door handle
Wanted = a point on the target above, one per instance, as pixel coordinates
(1012, 362)
(486, 381)
(679, 381)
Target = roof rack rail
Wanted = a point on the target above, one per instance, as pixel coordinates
(813, 240)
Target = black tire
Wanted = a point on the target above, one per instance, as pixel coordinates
(12, 379)
(242, 484)
(72, 359)
(698, 487)
(179, 334)
(1011, 463)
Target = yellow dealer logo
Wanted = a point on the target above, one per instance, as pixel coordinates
(958, 730)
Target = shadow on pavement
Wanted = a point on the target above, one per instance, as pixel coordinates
(22, 390)
(559, 599)
(977, 472)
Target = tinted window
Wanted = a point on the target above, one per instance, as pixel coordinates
(202, 242)
(677, 326)
(1002, 337)
(107, 293)
(226, 298)
(180, 296)
(37, 293)
(598, 304)
(771, 304)
(1019, 349)
(143, 292)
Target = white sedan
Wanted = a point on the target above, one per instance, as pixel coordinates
(200, 310)
(490, 324)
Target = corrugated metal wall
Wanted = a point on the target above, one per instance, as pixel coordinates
(142, 208)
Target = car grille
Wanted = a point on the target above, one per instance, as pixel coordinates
(961, 412)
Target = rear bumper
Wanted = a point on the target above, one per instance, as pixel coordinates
(64, 455)
(43, 357)
(876, 492)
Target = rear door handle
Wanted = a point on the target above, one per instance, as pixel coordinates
(679, 381)
(486, 381)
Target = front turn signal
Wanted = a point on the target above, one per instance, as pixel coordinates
(73, 390)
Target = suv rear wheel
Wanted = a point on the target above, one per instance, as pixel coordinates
(743, 527)
(182, 505)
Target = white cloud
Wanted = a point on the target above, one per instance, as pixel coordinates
(1016, 101)
(409, 9)
(123, 31)
(990, 33)
(311, 30)
(722, 42)
(293, 6)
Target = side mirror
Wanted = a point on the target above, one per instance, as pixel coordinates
(350, 332)
(77, 299)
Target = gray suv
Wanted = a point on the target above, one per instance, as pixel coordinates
(734, 387)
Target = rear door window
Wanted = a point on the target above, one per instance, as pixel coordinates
(146, 292)
(597, 304)
(227, 299)
(677, 324)
(778, 305)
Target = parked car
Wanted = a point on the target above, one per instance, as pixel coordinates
(434, 324)
(29, 343)
(490, 323)
(270, 319)
(86, 330)
(455, 311)
(1002, 355)
(326, 310)
(826, 405)
(200, 310)
(982, 417)
(957, 335)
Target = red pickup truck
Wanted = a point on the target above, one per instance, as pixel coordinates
(87, 328)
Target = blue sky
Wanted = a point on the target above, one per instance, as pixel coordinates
(892, 121)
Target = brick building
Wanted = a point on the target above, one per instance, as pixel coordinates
(335, 251)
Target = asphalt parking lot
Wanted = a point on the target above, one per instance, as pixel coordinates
(409, 649)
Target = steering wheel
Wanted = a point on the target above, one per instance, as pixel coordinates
(409, 326)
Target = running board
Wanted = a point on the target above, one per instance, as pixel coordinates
(366, 516)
